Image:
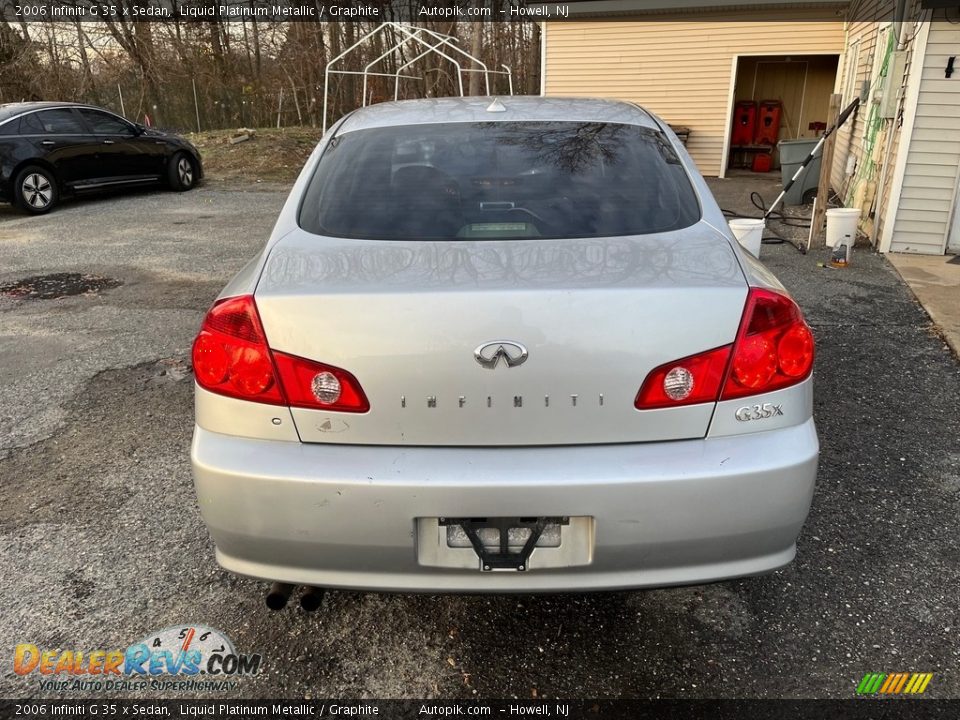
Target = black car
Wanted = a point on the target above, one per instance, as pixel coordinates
(50, 149)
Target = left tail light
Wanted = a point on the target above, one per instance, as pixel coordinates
(231, 357)
(310, 384)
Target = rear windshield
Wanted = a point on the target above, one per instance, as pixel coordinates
(499, 181)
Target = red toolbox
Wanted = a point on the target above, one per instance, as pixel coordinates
(768, 123)
(744, 123)
(762, 162)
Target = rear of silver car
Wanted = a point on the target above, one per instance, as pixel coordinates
(443, 378)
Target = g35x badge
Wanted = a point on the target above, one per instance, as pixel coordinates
(758, 412)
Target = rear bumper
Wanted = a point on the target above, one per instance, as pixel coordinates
(669, 513)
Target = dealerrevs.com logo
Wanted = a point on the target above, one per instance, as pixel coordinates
(185, 657)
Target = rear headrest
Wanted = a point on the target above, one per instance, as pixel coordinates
(424, 180)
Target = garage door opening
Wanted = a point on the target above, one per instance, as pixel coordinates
(777, 98)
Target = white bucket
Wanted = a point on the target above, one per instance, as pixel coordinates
(749, 233)
(842, 226)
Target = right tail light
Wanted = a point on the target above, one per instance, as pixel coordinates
(773, 350)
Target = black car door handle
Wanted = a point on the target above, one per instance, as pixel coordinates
(47, 142)
(108, 142)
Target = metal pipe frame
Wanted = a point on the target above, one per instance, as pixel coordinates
(366, 70)
(410, 35)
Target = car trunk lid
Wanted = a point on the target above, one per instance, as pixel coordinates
(594, 316)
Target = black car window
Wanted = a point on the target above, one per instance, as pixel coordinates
(11, 127)
(102, 123)
(52, 122)
(499, 180)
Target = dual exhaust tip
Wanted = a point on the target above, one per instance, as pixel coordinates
(280, 593)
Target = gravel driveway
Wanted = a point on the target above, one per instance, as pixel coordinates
(102, 542)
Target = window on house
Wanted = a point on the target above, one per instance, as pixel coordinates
(851, 82)
(880, 54)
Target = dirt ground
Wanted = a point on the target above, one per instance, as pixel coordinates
(270, 156)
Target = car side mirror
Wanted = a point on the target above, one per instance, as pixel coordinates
(138, 129)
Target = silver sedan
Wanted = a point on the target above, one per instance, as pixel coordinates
(503, 346)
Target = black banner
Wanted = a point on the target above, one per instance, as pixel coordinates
(277, 10)
(854, 709)
(375, 10)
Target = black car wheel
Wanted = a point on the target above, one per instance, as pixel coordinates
(182, 174)
(36, 190)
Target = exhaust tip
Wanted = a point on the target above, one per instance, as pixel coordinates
(312, 598)
(278, 595)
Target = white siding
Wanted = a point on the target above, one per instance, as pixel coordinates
(928, 195)
(953, 239)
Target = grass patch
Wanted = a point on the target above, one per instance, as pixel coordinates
(272, 155)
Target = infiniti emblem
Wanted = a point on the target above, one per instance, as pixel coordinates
(489, 354)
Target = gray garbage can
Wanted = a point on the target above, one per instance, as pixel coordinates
(792, 155)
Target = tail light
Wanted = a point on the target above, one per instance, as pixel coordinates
(695, 379)
(231, 357)
(773, 350)
(310, 384)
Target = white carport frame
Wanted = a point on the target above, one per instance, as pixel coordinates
(431, 41)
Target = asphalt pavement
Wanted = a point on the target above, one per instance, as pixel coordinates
(102, 542)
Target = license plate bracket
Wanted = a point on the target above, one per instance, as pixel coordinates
(503, 558)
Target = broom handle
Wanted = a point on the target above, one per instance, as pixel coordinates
(840, 121)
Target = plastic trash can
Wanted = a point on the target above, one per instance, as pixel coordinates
(792, 155)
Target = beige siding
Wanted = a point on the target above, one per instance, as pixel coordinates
(680, 69)
(930, 178)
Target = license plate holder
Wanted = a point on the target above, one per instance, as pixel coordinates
(505, 544)
(503, 558)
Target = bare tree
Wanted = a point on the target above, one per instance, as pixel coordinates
(252, 72)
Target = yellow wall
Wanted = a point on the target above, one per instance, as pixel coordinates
(679, 68)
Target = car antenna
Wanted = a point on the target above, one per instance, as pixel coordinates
(496, 106)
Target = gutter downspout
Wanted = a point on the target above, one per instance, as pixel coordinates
(543, 58)
(899, 26)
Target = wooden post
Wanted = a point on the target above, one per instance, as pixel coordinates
(826, 165)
